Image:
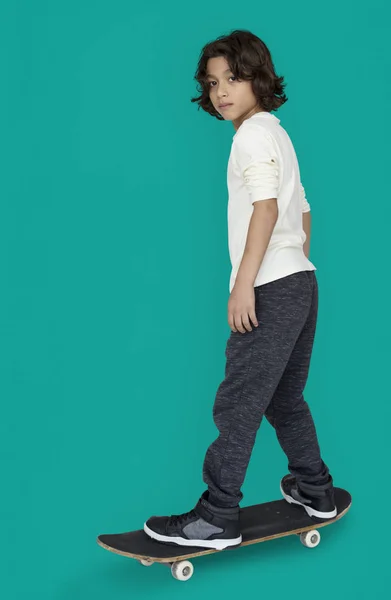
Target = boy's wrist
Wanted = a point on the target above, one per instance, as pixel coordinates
(244, 280)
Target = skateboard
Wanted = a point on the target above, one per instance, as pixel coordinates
(259, 523)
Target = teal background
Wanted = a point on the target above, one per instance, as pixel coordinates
(114, 288)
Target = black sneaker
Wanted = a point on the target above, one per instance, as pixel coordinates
(206, 526)
(317, 500)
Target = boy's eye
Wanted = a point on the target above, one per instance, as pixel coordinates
(231, 77)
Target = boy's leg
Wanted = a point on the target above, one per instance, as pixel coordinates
(255, 363)
(289, 413)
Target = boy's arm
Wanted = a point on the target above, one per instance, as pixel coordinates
(306, 220)
(261, 227)
(307, 230)
(257, 160)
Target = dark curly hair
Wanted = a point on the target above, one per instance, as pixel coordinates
(249, 59)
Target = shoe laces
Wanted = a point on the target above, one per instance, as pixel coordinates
(180, 519)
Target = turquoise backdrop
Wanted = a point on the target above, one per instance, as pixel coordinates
(114, 274)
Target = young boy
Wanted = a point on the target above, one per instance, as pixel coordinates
(272, 309)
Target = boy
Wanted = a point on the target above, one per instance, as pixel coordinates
(272, 309)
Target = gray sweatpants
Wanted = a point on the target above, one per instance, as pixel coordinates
(265, 374)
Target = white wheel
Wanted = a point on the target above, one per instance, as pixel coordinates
(182, 570)
(146, 563)
(310, 539)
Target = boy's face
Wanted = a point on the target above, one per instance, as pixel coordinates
(225, 88)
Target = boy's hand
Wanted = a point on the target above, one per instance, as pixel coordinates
(241, 307)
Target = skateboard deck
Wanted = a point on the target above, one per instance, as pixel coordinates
(259, 523)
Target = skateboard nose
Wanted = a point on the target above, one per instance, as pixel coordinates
(114, 541)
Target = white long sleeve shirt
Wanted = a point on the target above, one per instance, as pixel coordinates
(263, 164)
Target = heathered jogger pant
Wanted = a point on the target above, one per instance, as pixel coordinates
(265, 374)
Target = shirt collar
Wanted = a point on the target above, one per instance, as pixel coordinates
(260, 115)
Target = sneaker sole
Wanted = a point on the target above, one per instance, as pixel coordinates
(310, 511)
(215, 544)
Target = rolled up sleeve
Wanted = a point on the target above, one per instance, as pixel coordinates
(258, 163)
(305, 207)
